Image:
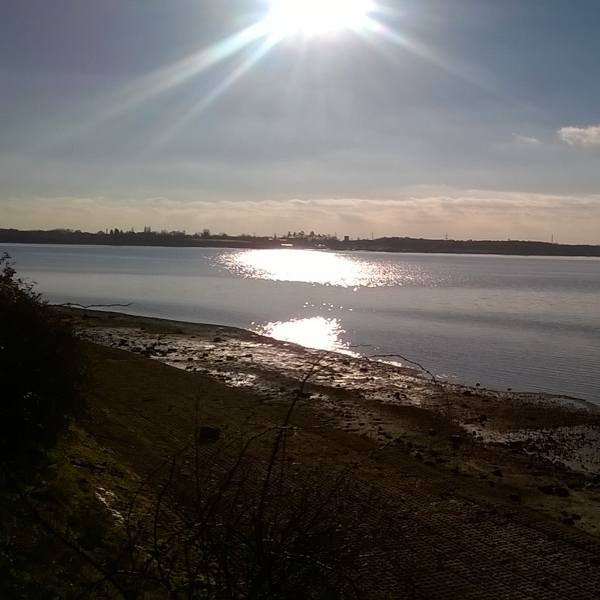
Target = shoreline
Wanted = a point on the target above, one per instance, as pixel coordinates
(462, 468)
(385, 244)
(348, 391)
(163, 326)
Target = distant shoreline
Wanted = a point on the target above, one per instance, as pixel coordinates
(299, 241)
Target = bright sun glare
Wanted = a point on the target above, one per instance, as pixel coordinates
(288, 17)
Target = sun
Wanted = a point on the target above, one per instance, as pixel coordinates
(288, 17)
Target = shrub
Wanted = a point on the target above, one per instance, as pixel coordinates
(40, 373)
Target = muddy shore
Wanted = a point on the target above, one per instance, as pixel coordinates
(529, 462)
(368, 397)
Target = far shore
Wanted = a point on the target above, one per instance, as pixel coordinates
(302, 240)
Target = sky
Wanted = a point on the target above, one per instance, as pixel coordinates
(475, 119)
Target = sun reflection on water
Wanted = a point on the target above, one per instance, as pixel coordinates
(316, 267)
(315, 332)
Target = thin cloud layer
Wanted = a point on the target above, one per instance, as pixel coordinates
(426, 213)
(581, 136)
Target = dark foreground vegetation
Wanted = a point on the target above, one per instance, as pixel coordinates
(116, 237)
(40, 373)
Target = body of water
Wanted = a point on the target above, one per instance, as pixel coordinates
(525, 323)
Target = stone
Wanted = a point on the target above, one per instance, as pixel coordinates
(208, 435)
(552, 490)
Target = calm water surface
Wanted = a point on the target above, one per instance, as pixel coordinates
(526, 323)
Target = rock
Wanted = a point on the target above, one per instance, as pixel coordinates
(456, 440)
(576, 517)
(497, 473)
(554, 490)
(467, 393)
(515, 497)
(568, 521)
(432, 432)
(208, 435)
(217, 340)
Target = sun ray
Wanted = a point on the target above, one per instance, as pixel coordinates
(218, 90)
(133, 95)
(469, 75)
(286, 18)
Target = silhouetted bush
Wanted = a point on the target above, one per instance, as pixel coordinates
(40, 373)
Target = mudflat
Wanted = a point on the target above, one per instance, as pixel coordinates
(476, 493)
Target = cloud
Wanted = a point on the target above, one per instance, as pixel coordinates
(581, 136)
(423, 212)
(526, 141)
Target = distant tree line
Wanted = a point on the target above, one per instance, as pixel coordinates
(119, 237)
(508, 247)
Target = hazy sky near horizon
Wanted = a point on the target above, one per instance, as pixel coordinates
(472, 118)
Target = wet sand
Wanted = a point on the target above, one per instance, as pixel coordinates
(518, 470)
